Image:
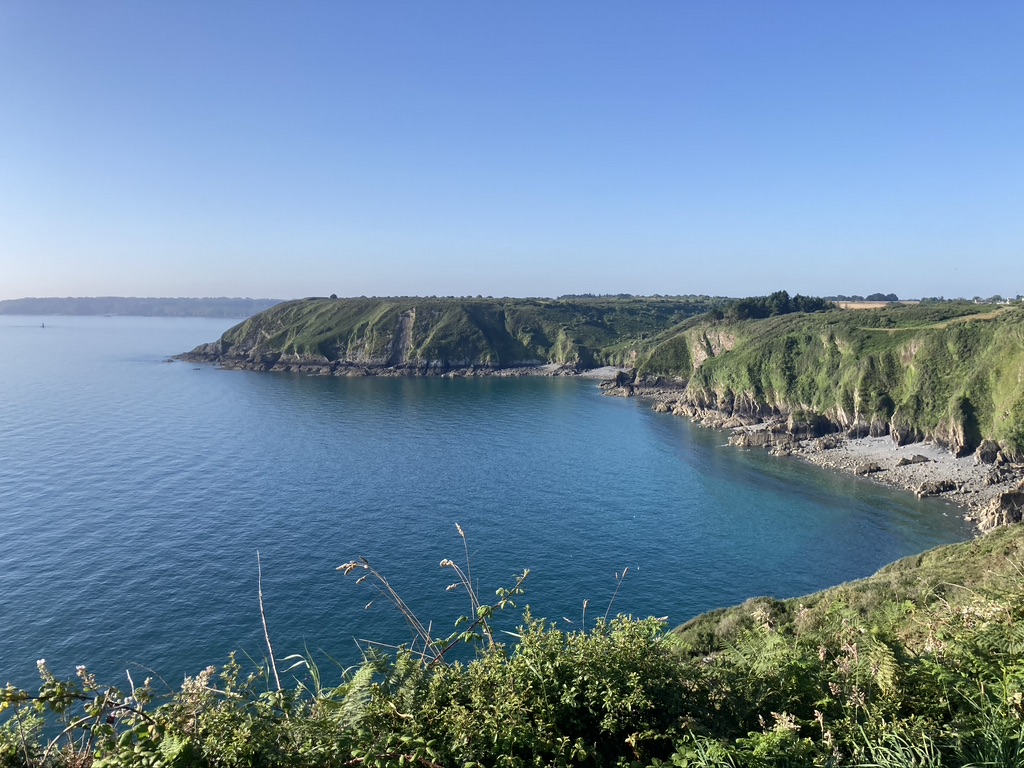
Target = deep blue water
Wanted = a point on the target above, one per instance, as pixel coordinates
(134, 494)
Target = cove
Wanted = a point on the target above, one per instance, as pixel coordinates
(134, 494)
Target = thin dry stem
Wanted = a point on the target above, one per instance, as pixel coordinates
(263, 616)
(618, 585)
(433, 651)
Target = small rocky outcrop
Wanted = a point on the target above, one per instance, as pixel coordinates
(999, 474)
(804, 425)
(867, 468)
(826, 443)
(987, 453)
(917, 458)
(760, 438)
(621, 385)
(784, 445)
(936, 488)
(1006, 509)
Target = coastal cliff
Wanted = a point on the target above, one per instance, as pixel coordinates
(952, 374)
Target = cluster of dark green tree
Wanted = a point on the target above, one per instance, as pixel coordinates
(778, 303)
(921, 665)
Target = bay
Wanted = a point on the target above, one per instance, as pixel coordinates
(135, 493)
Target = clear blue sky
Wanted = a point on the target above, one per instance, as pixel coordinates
(523, 148)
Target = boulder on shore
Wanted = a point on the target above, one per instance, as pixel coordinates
(987, 453)
(936, 487)
(867, 468)
(917, 458)
(826, 443)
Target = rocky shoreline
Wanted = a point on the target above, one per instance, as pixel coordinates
(984, 484)
(311, 367)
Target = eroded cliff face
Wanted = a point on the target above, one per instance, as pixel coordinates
(953, 380)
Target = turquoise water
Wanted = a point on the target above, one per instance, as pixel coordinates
(134, 494)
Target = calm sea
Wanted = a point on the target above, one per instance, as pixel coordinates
(135, 493)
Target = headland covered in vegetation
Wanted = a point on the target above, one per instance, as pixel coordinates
(942, 381)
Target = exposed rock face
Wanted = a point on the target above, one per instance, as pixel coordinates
(760, 438)
(807, 426)
(987, 453)
(868, 468)
(826, 443)
(1006, 509)
(402, 343)
(954, 435)
(878, 427)
(936, 488)
(773, 436)
(903, 433)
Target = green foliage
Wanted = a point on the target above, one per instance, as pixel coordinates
(778, 303)
(920, 665)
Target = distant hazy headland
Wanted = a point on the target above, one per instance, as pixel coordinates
(220, 306)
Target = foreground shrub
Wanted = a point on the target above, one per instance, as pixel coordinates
(905, 669)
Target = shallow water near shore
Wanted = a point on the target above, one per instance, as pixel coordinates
(134, 494)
